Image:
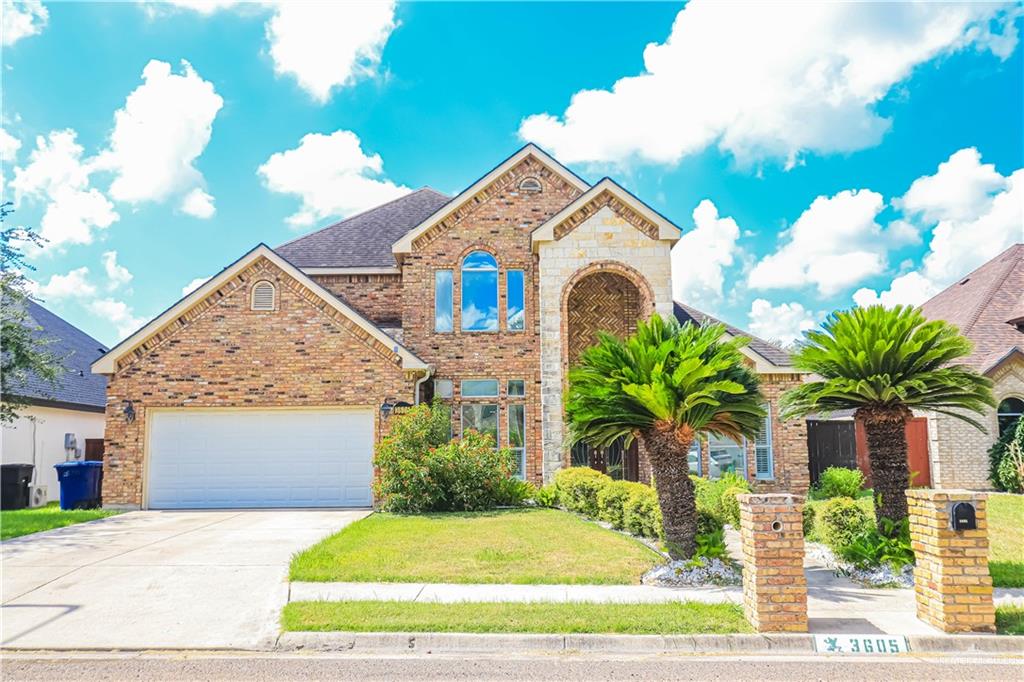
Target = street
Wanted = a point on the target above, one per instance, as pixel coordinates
(250, 666)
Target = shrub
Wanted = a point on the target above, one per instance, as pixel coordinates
(711, 545)
(838, 482)
(611, 502)
(840, 521)
(712, 498)
(872, 547)
(731, 506)
(809, 531)
(546, 496)
(1007, 459)
(578, 487)
(514, 492)
(420, 470)
(640, 513)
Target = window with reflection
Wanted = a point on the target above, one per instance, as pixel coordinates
(482, 418)
(1008, 412)
(443, 300)
(517, 436)
(516, 317)
(479, 292)
(724, 454)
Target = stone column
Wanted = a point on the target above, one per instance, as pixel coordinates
(951, 579)
(774, 584)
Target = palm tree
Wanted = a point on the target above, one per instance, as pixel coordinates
(883, 363)
(664, 385)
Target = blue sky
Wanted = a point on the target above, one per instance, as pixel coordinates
(815, 157)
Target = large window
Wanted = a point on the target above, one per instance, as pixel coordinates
(517, 436)
(479, 292)
(443, 300)
(482, 418)
(764, 457)
(1008, 412)
(726, 455)
(479, 388)
(516, 317)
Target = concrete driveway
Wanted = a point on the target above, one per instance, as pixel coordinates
(214, 579)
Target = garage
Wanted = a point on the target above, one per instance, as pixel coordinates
(217, 459)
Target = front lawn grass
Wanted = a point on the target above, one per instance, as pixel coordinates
(1006, 539)
(1010, 620)
(17, 522)
(521, 546)
(627, 619)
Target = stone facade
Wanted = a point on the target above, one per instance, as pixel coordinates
(951, 577)
(774, 583)
(959, 452)
(222, 354)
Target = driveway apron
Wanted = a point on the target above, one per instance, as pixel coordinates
(198, 579)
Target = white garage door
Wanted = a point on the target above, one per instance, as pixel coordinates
(260, 458)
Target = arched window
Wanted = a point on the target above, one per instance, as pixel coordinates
(263, 296)
(479, 293)
(1008, 412)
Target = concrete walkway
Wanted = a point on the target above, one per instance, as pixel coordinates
(214, 579)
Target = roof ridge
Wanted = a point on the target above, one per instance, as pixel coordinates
(997, 283)
(975, 271)
(745, 332)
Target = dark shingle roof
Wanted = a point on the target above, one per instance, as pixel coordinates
(768, 351)
(981, 304)
(77, 385)
(365, 239)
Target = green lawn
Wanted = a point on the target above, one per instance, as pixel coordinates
(522, 546)
(633, 619)
(25, 521)
(1010, 620)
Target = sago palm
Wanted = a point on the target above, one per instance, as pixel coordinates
(664, 385)
(883, 363)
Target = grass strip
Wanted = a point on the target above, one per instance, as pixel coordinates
(17, 522)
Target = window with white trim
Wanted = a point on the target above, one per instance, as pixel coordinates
(725, 454)
(263, 295)
(443, 301)
(1008, 412)
(693, 457)
(443, 388)
(479, 293)
(516, 388)
(517, 436)
(515, 318)
(479, 388)
(481, 417)
(764, 456)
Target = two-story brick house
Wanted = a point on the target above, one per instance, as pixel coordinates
(270, 384)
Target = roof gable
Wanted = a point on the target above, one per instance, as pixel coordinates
(982, 305)
(108, 363)
(479, 192)
(609, 193)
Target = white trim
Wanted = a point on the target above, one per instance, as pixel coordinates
(546, 232)
(352, 271)
(404, 245)
(108, 363)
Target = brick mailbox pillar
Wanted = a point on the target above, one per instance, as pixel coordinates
(951, 579)
(774, 585)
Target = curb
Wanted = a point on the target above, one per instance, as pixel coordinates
(617, 644)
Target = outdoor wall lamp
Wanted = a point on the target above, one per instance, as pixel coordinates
(129, 411)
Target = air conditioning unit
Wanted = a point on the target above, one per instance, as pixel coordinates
(37, 496)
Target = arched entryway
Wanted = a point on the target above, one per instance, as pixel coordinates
(607, 300)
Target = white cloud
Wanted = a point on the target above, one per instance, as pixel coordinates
(331, 174)
(162, 129)
(117, 313)
(193, 285)
(809, 84)
(117, 274)
(198, 203)
(75, 284)
(785, 322)
(22, 19)
(834, 244)
(57, 174)
(979, 214)
(701, 254)
(9, 146)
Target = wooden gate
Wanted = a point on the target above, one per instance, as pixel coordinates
(616, 460)
(917, 453)
(830, 444)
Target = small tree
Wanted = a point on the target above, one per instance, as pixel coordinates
(664, 385)
(882, 363)
(24, 351)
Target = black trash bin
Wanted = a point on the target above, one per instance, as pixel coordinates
(15, 480)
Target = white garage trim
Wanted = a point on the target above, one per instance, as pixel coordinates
(352, 457)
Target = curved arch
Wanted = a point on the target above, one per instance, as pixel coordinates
(478, 272)
(263, 295)
(1009, 410)
(630, 273)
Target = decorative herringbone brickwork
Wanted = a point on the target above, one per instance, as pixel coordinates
(603, 302)
(774, 584)
(951, 578)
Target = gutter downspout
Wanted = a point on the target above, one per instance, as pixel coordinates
(419, 382)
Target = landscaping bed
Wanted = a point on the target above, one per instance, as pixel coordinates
(17, 522)
(543, 618)
(517, 546)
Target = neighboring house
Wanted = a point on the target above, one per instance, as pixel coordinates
(988, 307)
(73, 404)
(270, 384)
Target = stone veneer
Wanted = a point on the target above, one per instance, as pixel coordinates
(602, 240)
(222, 354)
(958, 451)
(774, 583)
(951, 577)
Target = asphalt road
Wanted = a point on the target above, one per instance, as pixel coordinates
(579, 668)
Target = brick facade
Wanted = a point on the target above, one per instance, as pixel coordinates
(378, 298)
(225, 355)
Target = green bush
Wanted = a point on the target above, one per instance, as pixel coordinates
(712, 497)
(611, 502)
(578, 487)
(1006, 457)
(640, 513)
(546, 496)
(872, 547)
(840, 521)
(838, 482)
(420, 470)
(809, 530)
(711, 545)
(514, 492)
(731, 506)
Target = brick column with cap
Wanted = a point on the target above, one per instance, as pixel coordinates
(774, 584)
(951, 579)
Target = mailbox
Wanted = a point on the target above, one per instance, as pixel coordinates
(961, 517)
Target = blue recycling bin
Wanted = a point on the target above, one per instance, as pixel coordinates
(79, 484)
